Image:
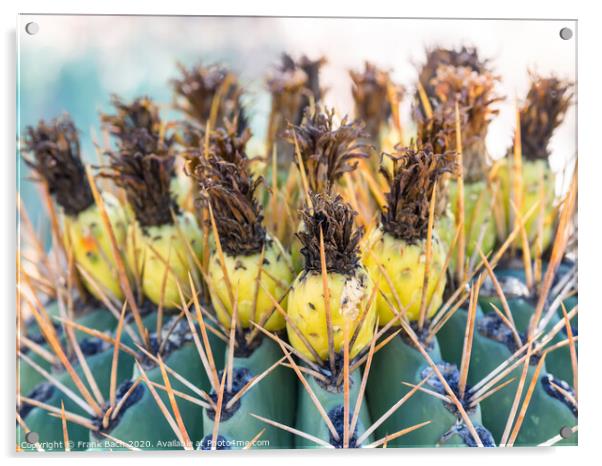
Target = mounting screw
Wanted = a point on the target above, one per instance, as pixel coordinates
(566, 432)
(566, 33)
(32, 28)
(32, 437)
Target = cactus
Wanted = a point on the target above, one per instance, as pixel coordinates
(189, 303)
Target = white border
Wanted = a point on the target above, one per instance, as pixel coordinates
(590, 137)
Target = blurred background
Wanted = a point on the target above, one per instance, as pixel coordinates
(74, 63)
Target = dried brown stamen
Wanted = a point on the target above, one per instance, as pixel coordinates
(371, 93)
(230, 190)
(414, 176)
(327, 152)
(543, 111)
(57, 161)
(201, 87)
(332, 218)
(475, 95)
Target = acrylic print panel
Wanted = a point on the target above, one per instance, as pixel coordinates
(295, 233)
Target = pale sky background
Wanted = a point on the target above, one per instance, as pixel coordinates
(74, 63)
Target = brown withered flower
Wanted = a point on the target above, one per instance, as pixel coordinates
(327, 152)
(411, 183)
(542, 112)
(374, 93)
(335, 218)
(54, 149)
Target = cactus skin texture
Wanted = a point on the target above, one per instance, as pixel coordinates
(143, 425)
(522, 308)
(310, 421)
(273, 398)
(98, 318)
(404, 265)
(253, 301)
(349, 294)
(156, 246)
(394, 363)
(545, 415)
(50, 428)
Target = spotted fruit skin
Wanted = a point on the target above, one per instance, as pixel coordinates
(161, 250)
(242, 273)
(403, 264)
(350, 298)
(91, 245)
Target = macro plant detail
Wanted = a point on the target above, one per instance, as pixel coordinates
(370, 280)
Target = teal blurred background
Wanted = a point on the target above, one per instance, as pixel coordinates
(74, 63)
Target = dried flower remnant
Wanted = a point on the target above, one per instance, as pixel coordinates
(294, 87)
(415, 174)
(475, 94)
(374, 94)
(327, 151)
(209, 93)
(57, 161)
(230, 190)
(137, 126)
(465, 57)
(543, 111)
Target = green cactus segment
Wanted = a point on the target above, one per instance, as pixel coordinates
(29, 378)
(492, 345)
(522, 306)
(143, 424)
(310, 421)
(97, 318)
(48, 428)
(400, 362)
(149, 321)
(99, 357)
(272, 398)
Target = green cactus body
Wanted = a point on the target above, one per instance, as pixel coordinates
(142, 424)
(273, 398)
(29, 378)
(522, 306)
(50, 428)
(310, 421)
(149, 321)
(399, 362)
(546, 414)
(97, 318)
(451, 337)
